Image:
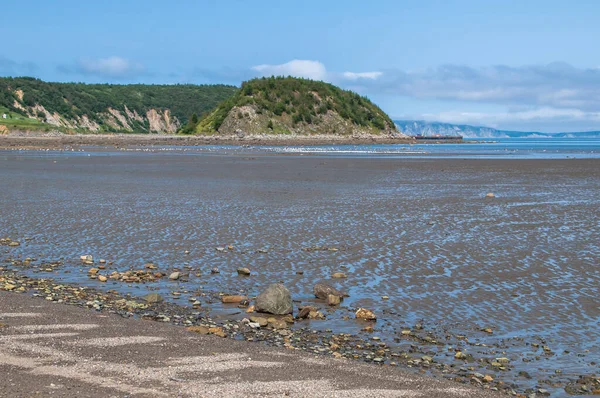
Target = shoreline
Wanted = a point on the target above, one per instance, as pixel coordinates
(59, 141)
(99, 354)
(325, 345)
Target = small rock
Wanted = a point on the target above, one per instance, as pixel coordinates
(234, 299)
(490, 195)
(338, 275)
(322, 291)
(305, 311)
(174, 276)
(86, 257)
(214, 271)
(153, 298)
(243, 271)
(102, 278)
(250, 309)
(262, 322)
(198, 329)
(363, 313)
(333, 300)
(277, 323)
(488, 379)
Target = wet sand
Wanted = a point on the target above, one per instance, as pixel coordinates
(511, 277)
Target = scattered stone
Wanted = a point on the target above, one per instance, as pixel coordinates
(14, 244)
(488, 379)
(338, 275)
(233, 299)
(316, 315)
(276, 299)
(385, 298)
(243, 271)
(250, 309)
(323, 290)
(305, 311)
(102, 278)
(198, 329)
(9, 287)
(490, 195)
(153, 298)
(174, 276)
(262, 322)
(277, 323)
(86, 257)
(333, 300)
(363, 313)
(215, 271)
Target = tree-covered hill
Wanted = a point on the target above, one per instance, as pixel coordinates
(107, 107)
(283, 105)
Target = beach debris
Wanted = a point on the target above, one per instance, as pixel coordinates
(243, 271)
(276, 299)
(323, 290)
(363, 313)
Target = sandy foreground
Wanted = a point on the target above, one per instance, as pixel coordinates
(59, 141)
(59, 350)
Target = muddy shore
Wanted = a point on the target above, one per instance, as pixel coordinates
(464, 286)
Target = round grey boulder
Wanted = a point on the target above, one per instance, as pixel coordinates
(276, 300)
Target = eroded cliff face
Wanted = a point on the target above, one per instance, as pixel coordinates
(111, 120)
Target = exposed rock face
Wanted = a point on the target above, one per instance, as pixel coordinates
(276, 299)
(162, 122)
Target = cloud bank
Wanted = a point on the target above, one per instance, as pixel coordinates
(110, 68)
(314, 70)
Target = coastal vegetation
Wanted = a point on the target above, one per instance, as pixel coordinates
(105, 107)
(283, 105)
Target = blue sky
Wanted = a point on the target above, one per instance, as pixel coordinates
(528, 65)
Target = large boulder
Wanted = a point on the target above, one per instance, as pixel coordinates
(323, 290)
(275, 300)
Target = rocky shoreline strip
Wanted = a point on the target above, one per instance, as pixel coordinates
(27, 140)
(274, 325)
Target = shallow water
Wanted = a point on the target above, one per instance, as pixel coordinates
(417, 230)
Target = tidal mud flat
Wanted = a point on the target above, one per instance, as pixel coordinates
(500, 292)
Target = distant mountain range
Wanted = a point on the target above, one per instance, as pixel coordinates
(421, 127)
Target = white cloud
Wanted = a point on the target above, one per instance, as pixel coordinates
(530, 116)
(113, 67)
(298, 68)
(556, 85)
(314, 70)
(361, 75)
